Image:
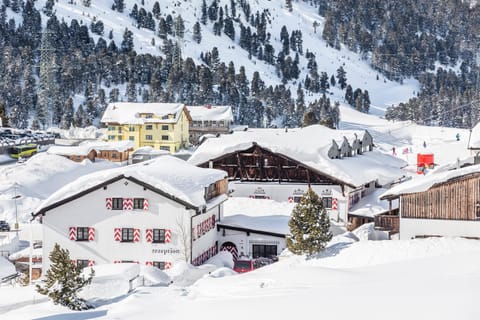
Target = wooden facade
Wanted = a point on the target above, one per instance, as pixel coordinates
(257, 164)
(79, 158)
(456, 199)
(114, 155)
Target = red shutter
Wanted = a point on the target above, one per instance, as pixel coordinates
(168, 235)
(149, 263)
(91, 234)
(334, 204)
(116, 261)
(213, 221)
(149, 235)
(290, 199)
(127, 204)
(168, 265)
(91, 263)
(136, 235)
(72, 233)
(108, 203)
(74, 262)
(145, 204)
(117, 234)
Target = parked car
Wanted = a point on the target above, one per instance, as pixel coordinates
(242, 265)
(4, 226)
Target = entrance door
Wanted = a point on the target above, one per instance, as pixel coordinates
(230, 247)
(264, 250)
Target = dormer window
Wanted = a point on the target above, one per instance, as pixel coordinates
(148, 115)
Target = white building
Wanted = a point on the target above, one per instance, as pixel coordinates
(339, 165)
(156, 213)
(209, 120)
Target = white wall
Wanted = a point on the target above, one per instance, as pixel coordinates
(282, 191)
(205, 240)
(409, 228)
(90, 211)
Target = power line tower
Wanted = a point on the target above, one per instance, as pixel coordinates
(48, 88)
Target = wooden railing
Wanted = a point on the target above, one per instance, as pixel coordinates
(388, 222)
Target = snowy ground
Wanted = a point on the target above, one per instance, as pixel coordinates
(415, 279)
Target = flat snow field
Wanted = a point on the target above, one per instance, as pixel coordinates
(414, 279)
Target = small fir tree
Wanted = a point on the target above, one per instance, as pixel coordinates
(309, 225)
(64, 280)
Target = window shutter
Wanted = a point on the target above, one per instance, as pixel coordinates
(108, 203)
(72, 233)
(91, 263)
(168, 265)
(127, 204)
(334, 204)
(117, 234)
(74, 262)
(149, 235)
(168, 235)
(116, 261)
(136, 235)
(145, 204)
(149, 263)
(214, 218)
(91, 234)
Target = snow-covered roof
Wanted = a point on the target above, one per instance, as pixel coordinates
(474, 141)
(6, 268)
(271, 223)
(171, 175)
(423, 183)
(210, 113)
(371, 205)
(148, 150)
(309, 146)
(130, 112)
(86, 147)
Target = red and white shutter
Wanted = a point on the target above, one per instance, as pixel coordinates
(108, 203)
(136, 235)
(168, 265)
(334, 204)
(149, 263)
(117, 234)
(91, 263)
(214, 218)
(91, 234)
(127, 204)
(149, 235)
(72, 233)
(74, 262)
(116, 261)
(290, 199)
(168, 235)
(145, 204)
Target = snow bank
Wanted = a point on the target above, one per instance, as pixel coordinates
(367, 232)
(184, 274)
(6, 268)
(221, 259)
(153, 276)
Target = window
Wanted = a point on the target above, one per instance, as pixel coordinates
(110, 137)
(138, 203)
(296, 199)
(148, 116)
(221, 123)
(114, 155)
(131, 128)
(158, 235)
(149, 127)
(127, 234)
(119, 129)
(120, 138)
(159, 264)
(82, 263)
(117, 204)
(165, 117)
(82, 234)
(165, 148)
(260, 250)
(165, 127)
(131, 138)
(164, 137)
(111, 128)
(148, 137)
(477, 210)
(327, 202)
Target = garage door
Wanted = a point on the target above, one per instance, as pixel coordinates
(264, 250)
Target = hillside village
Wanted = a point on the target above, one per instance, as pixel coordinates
(163, 210)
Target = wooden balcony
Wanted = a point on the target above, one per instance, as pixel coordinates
(388, 222)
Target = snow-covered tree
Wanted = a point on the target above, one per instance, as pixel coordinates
(64, 280)
(309, 225)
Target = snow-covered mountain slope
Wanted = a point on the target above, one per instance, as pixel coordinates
(383, 92)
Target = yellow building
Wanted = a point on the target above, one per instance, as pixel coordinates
(163, 126)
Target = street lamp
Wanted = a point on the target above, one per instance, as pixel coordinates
(15, 197)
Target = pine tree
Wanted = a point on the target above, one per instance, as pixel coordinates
(309, 225)
(63, 281)
(3, 115)
(179, 27)
(197, 32)
(288, 5)
(342, 77)
(67, 117)
(156, 10)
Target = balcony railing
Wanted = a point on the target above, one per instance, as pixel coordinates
(388, 222)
